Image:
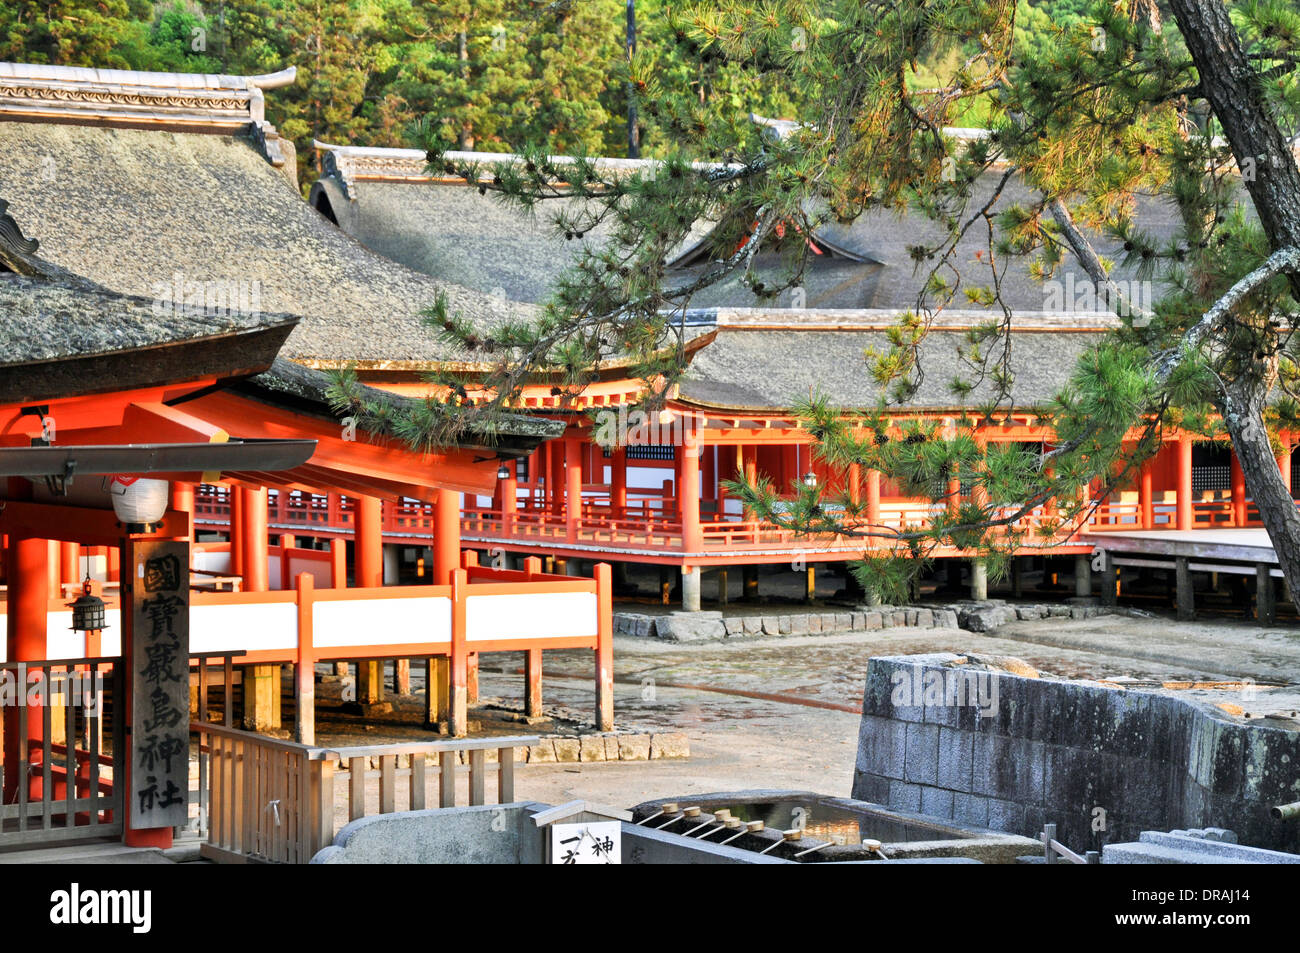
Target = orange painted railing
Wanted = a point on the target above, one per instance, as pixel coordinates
(654, 525)
(482, 610)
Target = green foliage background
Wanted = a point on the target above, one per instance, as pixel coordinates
(532, 71)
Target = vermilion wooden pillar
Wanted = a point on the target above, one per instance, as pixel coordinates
(28, 566)
(855, 483)
(555, 478)
(236, 531)
(369, 536)
(253, 540)
(369, 573)
(709, 472)
(183, 500)
(509, 493)
(53, 567)
(573, 486)
(1146, 506)
(604, 647)
(1238, 492)
(1284, 460)
(790, 464)
(1184, 510)
(618, 481)
(446, 536)
(261, 682)
(688, 497)
(873, 496)
(69, 563)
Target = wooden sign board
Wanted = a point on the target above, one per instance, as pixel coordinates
(160, 667)
(588, 842)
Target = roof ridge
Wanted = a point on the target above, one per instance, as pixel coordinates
(137, 99)
(86, 76)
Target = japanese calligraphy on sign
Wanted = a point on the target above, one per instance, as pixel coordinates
(592, 842)
(160, 713)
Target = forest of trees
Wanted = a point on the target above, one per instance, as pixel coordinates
(493, 75)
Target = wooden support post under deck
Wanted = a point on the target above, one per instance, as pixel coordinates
(1265, 595)
(533, 683)
(402, 676)
(810, 584)
(723, 595)
(604, 647)
(1082, 576)
(370, 681)
(751, 583)
(1184, 595)
(437, 680)
(691, 588)
(1109, 579)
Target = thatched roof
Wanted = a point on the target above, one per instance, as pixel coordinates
(762, 367)
(444, 228)
(61, 337)
(439, 226)
(137, 211)
(294, 385)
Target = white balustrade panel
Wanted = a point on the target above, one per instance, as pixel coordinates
(320, 570)
(530, 616)
(247, 628)
(61, 642)
(357, 622)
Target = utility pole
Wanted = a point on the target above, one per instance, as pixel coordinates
(633, 135)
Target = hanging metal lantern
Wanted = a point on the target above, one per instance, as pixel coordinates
(88, 611)
(810, 479)
(503, 472)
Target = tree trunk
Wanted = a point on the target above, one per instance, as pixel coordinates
(1243, 415)
(1270, 175)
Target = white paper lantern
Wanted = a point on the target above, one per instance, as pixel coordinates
(140, 501)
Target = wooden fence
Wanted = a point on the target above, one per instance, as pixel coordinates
(268, 801)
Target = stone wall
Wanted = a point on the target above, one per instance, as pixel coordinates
(486, 834)
(1102, 763)
(784, 621)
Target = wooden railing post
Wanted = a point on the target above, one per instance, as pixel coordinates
(604, 647)
(305, 672)
(459, 714)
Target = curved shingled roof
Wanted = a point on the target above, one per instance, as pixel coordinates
(441, 227)
(130, 209)
(445, 228)
(766, 368)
